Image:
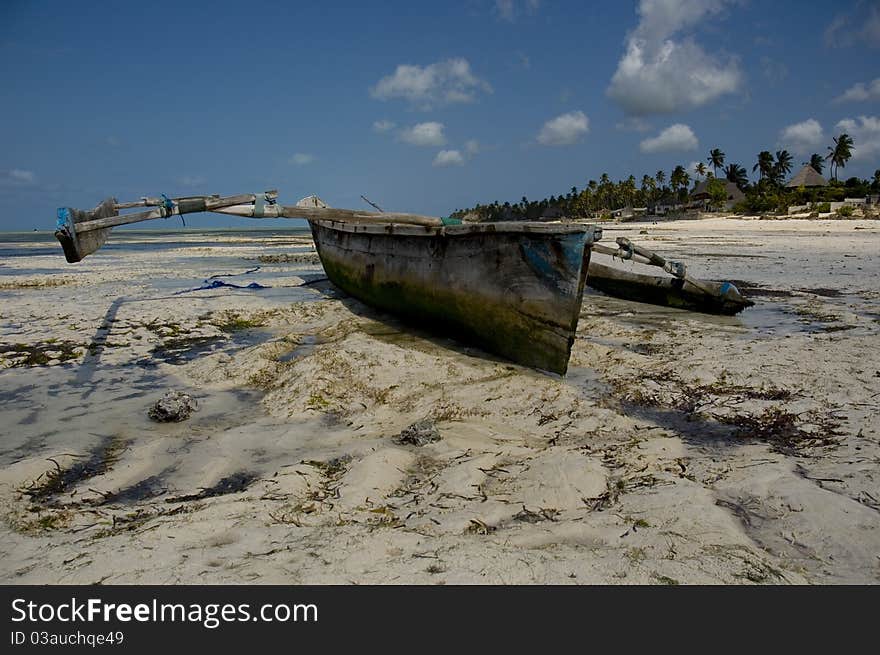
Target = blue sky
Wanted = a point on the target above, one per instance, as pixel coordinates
(423, 107)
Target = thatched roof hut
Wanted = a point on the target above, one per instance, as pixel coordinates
(701, 191)
(806, 177)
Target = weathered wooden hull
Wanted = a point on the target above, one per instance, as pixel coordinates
(77, 245)
(512, 289)
(667, 291)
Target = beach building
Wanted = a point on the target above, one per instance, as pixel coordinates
(734, 195)
(807, 177)
(667, 204)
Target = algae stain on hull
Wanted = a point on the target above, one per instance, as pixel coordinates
(515, 294)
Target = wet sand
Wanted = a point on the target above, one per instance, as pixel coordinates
(680, 448)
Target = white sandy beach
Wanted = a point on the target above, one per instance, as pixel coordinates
(680, 448)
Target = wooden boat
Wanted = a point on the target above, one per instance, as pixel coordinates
(511, 288)
(721, 298)
(680, 290)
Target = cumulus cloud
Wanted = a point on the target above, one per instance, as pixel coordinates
(564, 130)
(661, 74)
(860, 25)
(441, 83)
(865, 133)
(802, 137)
(302, 158)
(424, 134)
(861, 92)
(17, 177)
(383, 126)
(673, 138)
(448, 158)
(472, 147)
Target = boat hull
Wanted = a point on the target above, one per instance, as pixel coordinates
(713, 298)
(511, 289)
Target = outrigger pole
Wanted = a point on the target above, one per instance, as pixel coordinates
(82, 232)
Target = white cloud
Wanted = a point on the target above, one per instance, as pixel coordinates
(564, 130)
(862, 24)
(865, 133)
(472, 147)
(802, 137)
(383, 126)
(658, 74)
(17, 177)
(21, 176)
(302, 158)
(448, 158)
(424, 134)
(673, 138)
(861, 92)
(444, 82)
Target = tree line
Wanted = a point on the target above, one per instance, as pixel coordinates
(767, 193)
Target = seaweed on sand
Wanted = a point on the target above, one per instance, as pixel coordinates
(60, 479)
(231, 484)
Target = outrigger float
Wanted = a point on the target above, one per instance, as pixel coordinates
(512, 288)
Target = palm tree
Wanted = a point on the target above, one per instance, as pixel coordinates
(782, 167)
(700, 169)
(661, 178)
(817, 162)
(606, 190)
(840, 153)
(648, 187)
(737, 174)
(716, 159)
(678, 178)
(764, 165)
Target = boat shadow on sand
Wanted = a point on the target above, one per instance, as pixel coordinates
(401, 332)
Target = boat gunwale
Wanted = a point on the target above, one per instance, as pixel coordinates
(464, 229)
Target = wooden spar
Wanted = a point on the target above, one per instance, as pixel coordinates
(329, 214)
(82, 232)
(617, 252)
(148, 201)
(180, 206)
(629, 250)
